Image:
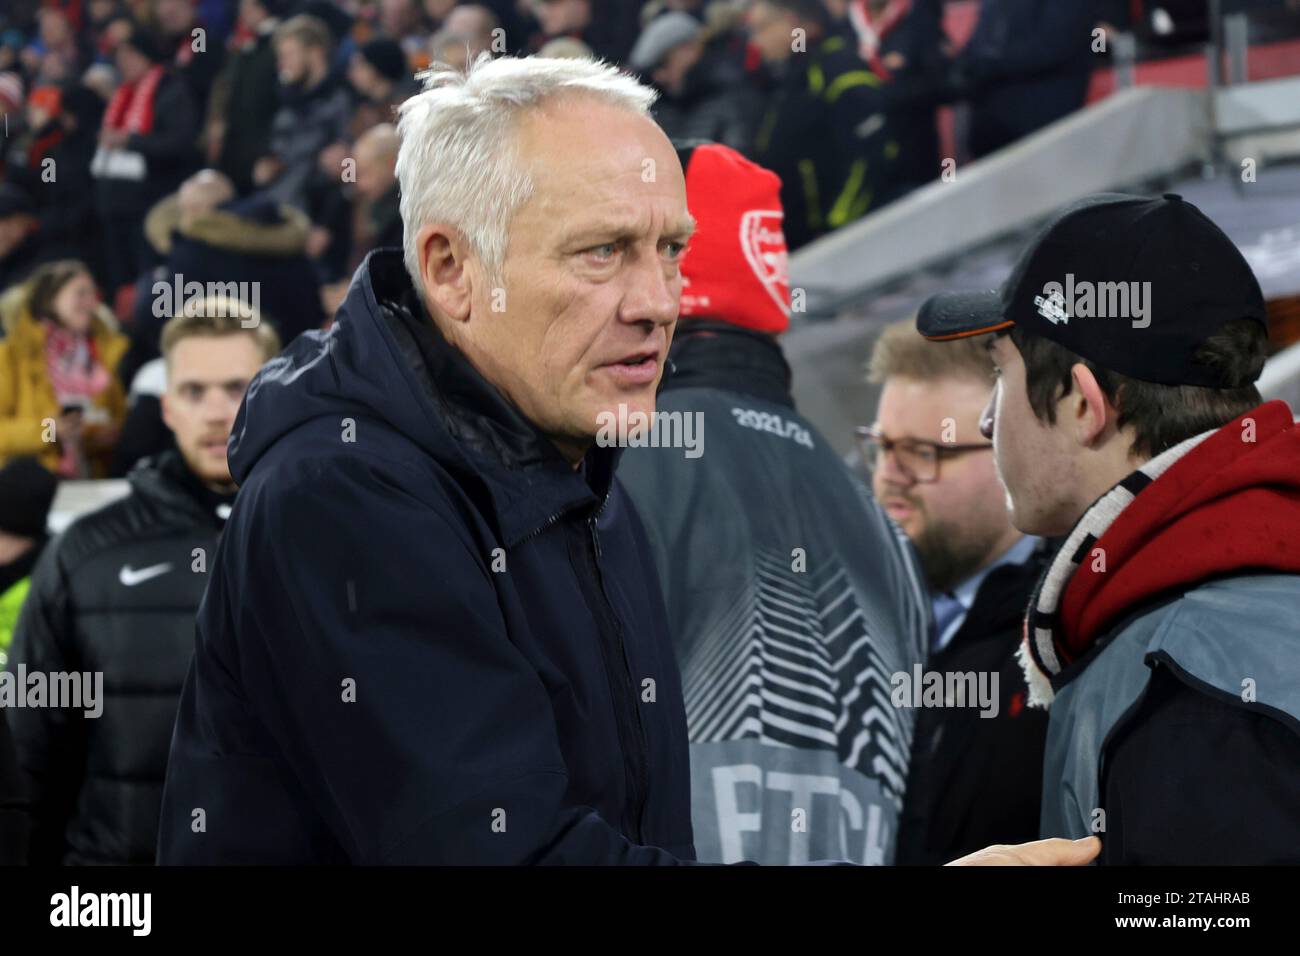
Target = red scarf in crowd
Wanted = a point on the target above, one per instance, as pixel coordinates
(1227, 502)
(872, 31)
(72, 361)
(131, 107)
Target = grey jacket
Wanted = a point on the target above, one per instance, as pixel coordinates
(1236, 635)
(792, 600)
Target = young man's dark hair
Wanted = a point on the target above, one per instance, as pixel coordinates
(1161, 416)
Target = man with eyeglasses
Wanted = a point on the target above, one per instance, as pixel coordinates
(975, 775)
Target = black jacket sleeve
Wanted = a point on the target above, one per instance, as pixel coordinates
(1195, 778)
(50, 741)
(13, 811)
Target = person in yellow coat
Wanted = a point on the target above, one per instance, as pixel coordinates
(60, 397)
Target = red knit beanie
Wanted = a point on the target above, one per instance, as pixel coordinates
(735, 268)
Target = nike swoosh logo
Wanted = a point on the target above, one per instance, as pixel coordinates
(131, 578)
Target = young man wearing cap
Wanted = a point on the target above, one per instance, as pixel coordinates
(791, 598)
(117, 593)
(1163, 635)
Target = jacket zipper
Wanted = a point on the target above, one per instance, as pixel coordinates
(639, 753)
(540, 528)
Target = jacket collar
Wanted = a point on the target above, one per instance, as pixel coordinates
(167, 483)
(711, 354)
(494, 448)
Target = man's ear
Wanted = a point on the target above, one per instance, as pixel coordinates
(1088, 406)
(447, 281)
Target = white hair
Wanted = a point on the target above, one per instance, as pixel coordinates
(458, 162)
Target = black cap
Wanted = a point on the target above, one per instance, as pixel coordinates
(26, 493)
(1133, 284)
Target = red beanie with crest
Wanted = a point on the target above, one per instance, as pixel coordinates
(735, 269)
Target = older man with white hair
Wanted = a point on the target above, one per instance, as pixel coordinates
(433, 632)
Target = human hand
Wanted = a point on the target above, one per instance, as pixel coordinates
(1054, 852)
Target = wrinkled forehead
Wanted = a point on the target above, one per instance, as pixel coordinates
(583, 155)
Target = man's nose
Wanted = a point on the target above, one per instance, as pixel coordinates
(218, 407)
(987, 419)
(652, 294)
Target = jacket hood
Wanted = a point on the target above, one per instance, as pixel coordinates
(253, 226)
(382, 359)
(1222, 504)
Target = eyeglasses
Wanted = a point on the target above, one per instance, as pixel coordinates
(915, 457)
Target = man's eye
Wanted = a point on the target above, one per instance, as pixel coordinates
(606, 251)
(192, 393)
(674, 249)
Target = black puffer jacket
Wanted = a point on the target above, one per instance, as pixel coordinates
(117, 594)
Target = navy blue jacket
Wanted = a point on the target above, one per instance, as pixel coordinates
(425, 639)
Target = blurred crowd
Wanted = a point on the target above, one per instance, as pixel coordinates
(233, 141)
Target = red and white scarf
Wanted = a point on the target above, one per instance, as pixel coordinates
(1223, 502)
(872, 30)
(72, 361)
(131, 107)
